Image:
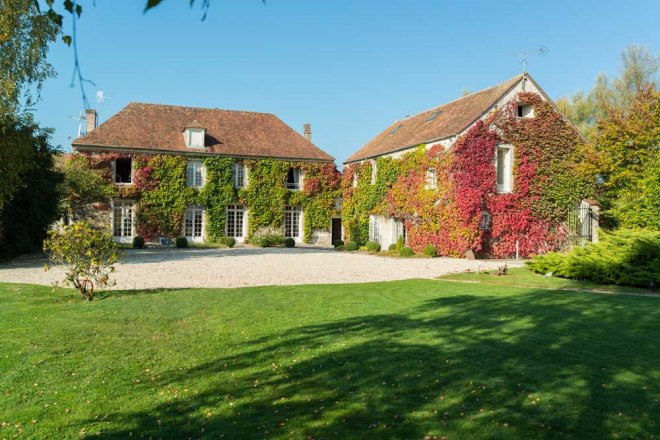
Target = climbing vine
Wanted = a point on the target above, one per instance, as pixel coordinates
(449, 213)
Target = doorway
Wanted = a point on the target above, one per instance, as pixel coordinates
(336, 229)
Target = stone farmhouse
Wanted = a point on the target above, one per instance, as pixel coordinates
(209, 173)
(489, 174)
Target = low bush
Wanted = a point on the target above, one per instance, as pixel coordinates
(289, 242)
(372, 246)
(392, 247)
(268, 237)
(624, 257)
(338, 244)
(400, 244)
(138, 242)
(430, 250)
(351, 246)
(230, 242)
(181, 242)
(406, 252)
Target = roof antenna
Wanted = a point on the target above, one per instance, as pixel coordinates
(525, 54)
(80, 119)
(100, 97)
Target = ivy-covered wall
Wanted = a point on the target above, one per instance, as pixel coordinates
(545, 186)
(161, 194)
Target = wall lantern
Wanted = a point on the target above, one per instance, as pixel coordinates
(484, 225)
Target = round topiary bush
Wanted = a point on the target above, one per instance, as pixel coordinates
(230, 242)
(351, 246)
(430, 250)
(406, 252)
(372, 246)
(181, 242)
(392, 247)
(138, 242)
(289, 242)
(265, 242)
(338, 243)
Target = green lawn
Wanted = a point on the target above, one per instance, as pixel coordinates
(373, 361)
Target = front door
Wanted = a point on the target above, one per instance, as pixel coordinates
(336, 229)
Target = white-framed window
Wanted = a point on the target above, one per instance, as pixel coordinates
(195, 173)
(122, 170)
(123, 220)
(374, 228)
(504, 168)
(374, 172)
(525, 111)
(239, 175)
(356, 178)
(294, 178)
(235, 221)
(194, 137)
(431, 180)
(292, 219)
(193, 223)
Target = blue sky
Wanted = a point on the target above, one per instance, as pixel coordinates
(348, 67)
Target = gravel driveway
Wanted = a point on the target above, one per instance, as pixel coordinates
(246, 266)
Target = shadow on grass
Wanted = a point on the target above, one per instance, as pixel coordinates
(534, 365)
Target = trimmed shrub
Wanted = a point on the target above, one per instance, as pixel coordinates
(430, 250)
(338, 244)
(624, 257)
(289, 242)
(230, 242)
(138, 242)
(268, 237)
(399, 244)
(392, 247)
(372, 246)
(351, 246)
(406, 252)
(181, 242)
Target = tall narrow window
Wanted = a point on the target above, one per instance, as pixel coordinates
(504, 167)
(292, 216)
(239, 175)
(374, 172)
(234, 223)
(431, 179)
(374, 228)
(193, 223)
(293, 178)
(195, 173)
(122, 220)
(356, 178)
(123, 170)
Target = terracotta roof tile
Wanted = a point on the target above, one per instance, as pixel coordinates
(433, 124)
(160, 128)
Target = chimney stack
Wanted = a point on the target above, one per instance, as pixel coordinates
(307, 128)
(90, 117)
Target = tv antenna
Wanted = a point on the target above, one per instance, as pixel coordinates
(80, 119)
(100, 98)
(525, 54)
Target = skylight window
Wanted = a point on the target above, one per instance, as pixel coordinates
(395, 129)
(433, 115)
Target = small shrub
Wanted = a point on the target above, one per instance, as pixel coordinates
(338, 244)
(351, 246)
(230, 242)
(430, 250)
(87, 253)
(392, 247)
(372, 246)
(289, 242)
(268, 237)
(399, 244)
(138, 242)
(265, 242)
(181, 242)
(623, 257)
(406, 252)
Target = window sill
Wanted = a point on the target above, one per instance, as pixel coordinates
(124, 184)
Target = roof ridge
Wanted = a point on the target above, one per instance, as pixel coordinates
(152, 104)
(517, 77)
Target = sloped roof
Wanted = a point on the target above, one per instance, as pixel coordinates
(159, 128)
(433, 124)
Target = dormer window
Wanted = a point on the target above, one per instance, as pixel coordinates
(525, 111)
(194, 136)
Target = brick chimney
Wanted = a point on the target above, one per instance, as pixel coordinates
(307, 128)
(90, 116)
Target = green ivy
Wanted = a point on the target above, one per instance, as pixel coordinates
(265, 194)
(217, 193)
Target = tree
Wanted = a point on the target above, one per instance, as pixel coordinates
(83, 186)
(87, 253)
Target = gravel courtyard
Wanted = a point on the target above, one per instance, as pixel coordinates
(246, 266)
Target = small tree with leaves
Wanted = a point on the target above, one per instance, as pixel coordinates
(87, 253)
